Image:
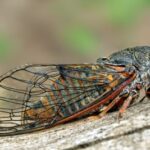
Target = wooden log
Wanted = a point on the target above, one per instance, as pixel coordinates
(132, 131)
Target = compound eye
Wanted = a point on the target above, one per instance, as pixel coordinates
(102, 60)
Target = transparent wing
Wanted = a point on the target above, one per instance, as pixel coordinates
(35, 97)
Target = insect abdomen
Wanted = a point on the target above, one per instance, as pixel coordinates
(64, 98)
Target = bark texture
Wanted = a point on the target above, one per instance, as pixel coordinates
(130, 132)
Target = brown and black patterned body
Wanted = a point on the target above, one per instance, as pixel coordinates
(35, 97)
(75, 91)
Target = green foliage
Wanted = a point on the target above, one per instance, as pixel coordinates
(76, 14)
(4, 47)
(124, 11)
(81, 39)
(91, 4)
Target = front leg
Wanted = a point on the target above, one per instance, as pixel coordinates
(124, 99)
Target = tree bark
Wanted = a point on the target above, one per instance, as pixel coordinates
(132, 131)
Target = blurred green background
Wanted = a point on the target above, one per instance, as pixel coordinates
(69, 31)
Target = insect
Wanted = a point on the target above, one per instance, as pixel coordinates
(35, 97)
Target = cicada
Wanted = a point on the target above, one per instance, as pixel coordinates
(35, 97)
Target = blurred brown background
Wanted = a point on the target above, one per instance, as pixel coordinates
(69, 31)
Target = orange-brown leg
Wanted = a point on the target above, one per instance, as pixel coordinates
(107, 108)
(127, 102)
(110, 106)
(124, 106)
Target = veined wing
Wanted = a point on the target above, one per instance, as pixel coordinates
(35, 97)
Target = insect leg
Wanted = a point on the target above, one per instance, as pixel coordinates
(117, 101)
(110, 106)
(127, 102)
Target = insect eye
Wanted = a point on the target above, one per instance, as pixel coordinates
(102, 60)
